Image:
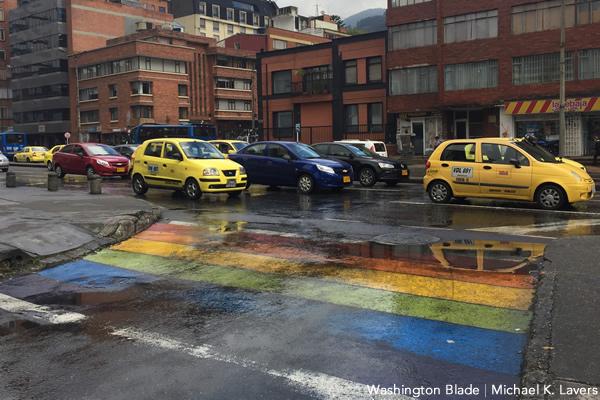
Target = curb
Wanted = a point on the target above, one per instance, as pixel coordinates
(29, 165)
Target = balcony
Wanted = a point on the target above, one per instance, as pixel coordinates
(312, 87)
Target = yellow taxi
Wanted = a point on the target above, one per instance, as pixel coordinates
(31, 154)
(515, 169)
(50, 154)
(193, 166)
(227, 147)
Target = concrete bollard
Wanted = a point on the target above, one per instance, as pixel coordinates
(11, 179)
(95, 183)
(53, 182)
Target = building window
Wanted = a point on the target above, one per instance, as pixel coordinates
(375, 117)
(202, 8)
(479, 25)
(279, 44)
(350, 72)
(404, 3)
(588, 12)
(216, 27)
(2, 35)
(589, 64)
(141, 87)
(184, 114)
(476, 75)
(88, 94)
(231, 104)
(202, 23)
(541, 68)
(247, 105)
(148, 63)
(112, 91)
(243, 17)
(413, 80)
(182, 90)
(417, 34)
(374, 69)
(2, 54)
(230, 14)
(282, 82)
(283, 123)
(351, 118)
(230, 29)
(142, 111)
(267, 21)
(89, 117)
(114, 114)
(255, 20)
(541, 16)
(216, 11)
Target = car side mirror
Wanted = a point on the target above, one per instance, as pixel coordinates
(515, 162)
(178, 157)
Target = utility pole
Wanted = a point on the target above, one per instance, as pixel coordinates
(562, 117)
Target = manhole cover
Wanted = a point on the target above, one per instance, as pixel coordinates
(406, 238)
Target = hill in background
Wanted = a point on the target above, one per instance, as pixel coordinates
(371, 20)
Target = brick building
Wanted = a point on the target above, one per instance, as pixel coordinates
(472, 68)
(331, 90)
(272, 39)
(42, 35)
(6, 121)
(161, 76)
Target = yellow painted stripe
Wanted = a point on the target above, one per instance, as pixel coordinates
(537, 109)
(467, 292)
(510, 107)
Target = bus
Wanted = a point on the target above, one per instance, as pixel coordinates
(141, 133)
(12, 142)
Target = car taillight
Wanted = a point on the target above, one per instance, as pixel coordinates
(427, 165)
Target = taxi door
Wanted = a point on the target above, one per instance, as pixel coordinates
(505, 173)
(172, 169)
(459, 167)
(152, 163)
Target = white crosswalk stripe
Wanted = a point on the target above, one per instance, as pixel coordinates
(37, 313)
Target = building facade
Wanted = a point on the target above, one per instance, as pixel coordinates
(220, 19)
(324, 92)
(464, 69)
(272, 39)
(42, 35)
(163, 77)
(288, 19)
(6, 121)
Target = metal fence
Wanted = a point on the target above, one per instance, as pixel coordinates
(319, 134)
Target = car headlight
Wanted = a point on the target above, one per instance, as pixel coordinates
(386, 165)
(103, 163)
(577, 176)
(325, 168)
(242, 171)
(211, 172)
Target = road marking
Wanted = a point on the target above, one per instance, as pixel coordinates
(343, 220)
(321, 385)
(547, 227)
(37, 313)
(183, 223)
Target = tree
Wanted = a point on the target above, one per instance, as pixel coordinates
(338, 20)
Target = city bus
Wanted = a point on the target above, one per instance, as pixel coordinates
(12, 142)
(141, 133)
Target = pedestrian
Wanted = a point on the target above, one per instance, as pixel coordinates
(596, 149)
(437, 142)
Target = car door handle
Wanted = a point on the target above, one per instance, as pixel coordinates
(487, 167)
(445, 165)
(146, 162)
(165, 165)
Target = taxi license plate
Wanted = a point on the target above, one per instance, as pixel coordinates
(404, 173)
(120, 170)
(231, 183)
(346, 179)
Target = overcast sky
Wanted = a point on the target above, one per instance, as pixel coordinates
(344, 8)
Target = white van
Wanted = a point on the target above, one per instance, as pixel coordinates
(375, 147)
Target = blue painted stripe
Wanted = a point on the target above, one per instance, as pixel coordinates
(94, 275)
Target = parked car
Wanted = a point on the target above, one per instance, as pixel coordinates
(374, 146)
(50, 154)
(369, 168)
(4, 163)
(515, 169)
(228, 147)
(31, 154)
(126, 150)
(194, 166)
(292, 164)
(90, 159)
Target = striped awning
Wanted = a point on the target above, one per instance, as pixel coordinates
(586, 104)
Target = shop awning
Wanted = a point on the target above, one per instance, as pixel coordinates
(586, 104)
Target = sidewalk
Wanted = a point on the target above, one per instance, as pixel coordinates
(40, 228)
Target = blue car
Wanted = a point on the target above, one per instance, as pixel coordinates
(292, 164)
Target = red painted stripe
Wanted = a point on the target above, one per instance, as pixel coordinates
(518, 107)
(591, 104)
(531, 107)
(546, 106)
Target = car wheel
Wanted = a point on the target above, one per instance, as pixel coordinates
(139, 185)
(89, 171)
(440, 192)
(367, 177)
(306, 184)
(59, 171)
(192, 189)
(391, 183)
(550, 197)
(49, 165)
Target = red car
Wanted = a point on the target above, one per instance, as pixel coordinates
(88, 159)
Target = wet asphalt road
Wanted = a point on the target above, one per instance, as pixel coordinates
(281, 296)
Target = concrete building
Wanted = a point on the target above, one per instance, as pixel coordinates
(473, 68)
(220, 19)
(327, 91)
(287, 18)
(42, 35)
(272, 39)
(161, 76)
(6, 121)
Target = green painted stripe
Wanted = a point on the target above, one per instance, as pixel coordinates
(486, 317)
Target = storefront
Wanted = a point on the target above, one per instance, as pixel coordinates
(416, 132)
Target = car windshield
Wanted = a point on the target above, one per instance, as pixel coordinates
(360, 151)
(303, 151)
(538, 152)
(39, 149)
(362, 148)
(101, 150)
(239, 145)
(200, 151)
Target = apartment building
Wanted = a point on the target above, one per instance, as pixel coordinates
(6, 121)
(472, 68)
(42, 35)
(324, 92)
(272, 39)
(288, 18)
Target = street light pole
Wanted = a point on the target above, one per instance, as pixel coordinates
(563, 122)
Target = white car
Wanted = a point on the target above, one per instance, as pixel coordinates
(3, 162)
(374, 146)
